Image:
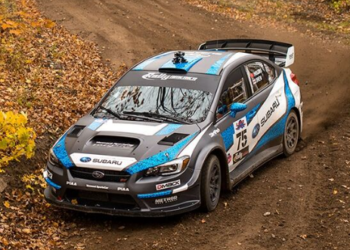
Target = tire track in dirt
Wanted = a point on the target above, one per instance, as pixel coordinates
(287, 188)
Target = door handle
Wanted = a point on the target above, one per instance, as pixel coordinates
(278, 94)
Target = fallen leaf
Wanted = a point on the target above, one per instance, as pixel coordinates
(16, 32)
(7, 204)
(26, 230)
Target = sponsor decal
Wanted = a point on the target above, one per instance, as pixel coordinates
(98, 174)
(71, 183)
(257, 79)
(170, 184)
(85, 159)
(240, 125)
(256, 130)
(165, 200)
(269, 113)
(124, 189)
(97, 186)
(256, 72)
(242, 139)
(49, 174)
(214, 133)
(105, 161)
(164, 77)
(229, 158)
(240, 155)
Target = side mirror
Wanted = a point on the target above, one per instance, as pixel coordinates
(237, 107)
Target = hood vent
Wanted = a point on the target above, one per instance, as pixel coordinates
(114, 142)
(172, 139)
(75, 131)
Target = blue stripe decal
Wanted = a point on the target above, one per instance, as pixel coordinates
(142, 65)
(61, 153)
(251, 114)
(52, 184)
(154, 195)
(95, 125)
(191, 61)
(162, 157)
(169, 129)
(227, 136)
(278, 129)
(215, 68)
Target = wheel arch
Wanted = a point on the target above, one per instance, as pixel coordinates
(219, 152)
(297, 111)
(225, 176)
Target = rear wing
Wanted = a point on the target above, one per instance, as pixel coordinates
(281, 54)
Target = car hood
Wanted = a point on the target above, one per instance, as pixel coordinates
(119, 144)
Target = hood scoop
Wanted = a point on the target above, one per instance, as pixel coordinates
(114, 142)
(75, 131)
(172, 139)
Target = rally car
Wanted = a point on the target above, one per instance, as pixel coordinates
(179, 128)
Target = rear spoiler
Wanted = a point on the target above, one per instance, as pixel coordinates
(281, 54)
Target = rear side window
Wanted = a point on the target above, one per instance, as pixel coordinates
(234, 91)
(271, 72)
(259, 76)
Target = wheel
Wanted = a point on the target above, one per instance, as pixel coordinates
(210, 184)
(291, 134)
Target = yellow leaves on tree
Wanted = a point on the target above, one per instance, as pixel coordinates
(16, 140)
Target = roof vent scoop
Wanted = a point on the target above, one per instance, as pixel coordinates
(179, 57)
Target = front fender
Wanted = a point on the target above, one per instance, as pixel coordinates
(218, 150)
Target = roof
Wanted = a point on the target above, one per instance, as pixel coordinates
(204, 62)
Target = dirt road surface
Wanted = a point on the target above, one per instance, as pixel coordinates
(304, 210)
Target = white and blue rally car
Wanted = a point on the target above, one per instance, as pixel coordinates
(179, 128)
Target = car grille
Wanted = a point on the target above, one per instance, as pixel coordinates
(100, 199)
(109, 175)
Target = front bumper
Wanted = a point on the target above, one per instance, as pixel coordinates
(135, 197)
(160, 212)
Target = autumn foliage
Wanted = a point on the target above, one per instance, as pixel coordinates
(16, 140)
(54, 78)
(46, 72)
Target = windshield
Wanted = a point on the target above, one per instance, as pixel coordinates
(186, 105)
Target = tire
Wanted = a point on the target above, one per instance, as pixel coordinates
(291, 134)
(210, 184)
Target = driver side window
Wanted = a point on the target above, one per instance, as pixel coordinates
(234, 91)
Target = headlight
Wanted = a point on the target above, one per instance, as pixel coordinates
(53, 159)
(169, 168)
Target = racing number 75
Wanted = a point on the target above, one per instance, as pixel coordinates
(242, 139)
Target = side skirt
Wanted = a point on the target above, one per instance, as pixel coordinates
(265, 154)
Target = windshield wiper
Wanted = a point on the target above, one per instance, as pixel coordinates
(111, 112)
(141, 116)
(164, 117)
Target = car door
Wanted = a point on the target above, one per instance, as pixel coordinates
(268, 93)
(236, 131)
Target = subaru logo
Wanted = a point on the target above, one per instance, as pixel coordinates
(98, 174)
(85, 159)
(256, 130)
